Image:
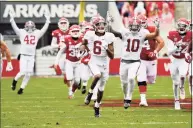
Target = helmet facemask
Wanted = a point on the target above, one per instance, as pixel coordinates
(182, 27)
(63, 25)
(75, 33)
(30, 26)
(100, 27)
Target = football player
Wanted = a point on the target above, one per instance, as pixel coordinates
(133, 39)
(177, 45)
(5, 51)
(71, 45)
(100, 45)
(148, 68)
(57, 39)
(29, 36)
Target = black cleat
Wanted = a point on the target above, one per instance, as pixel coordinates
(88, 98)
(79, 85)
(97, 113)
(83, 89)
(20, 91)
(127, 103)
(14, 83)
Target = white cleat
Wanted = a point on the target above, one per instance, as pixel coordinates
(143, 104)
(182, 93)
(177, 105)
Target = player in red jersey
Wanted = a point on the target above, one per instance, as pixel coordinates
(177, 45)
(71, 46)
(148, 69)
(57, 38)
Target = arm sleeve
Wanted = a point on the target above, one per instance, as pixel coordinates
(44, 29)
(62, 49)
(54, 43)
(171, 47)
(15, 28)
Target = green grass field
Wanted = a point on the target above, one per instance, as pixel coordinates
(44, 104)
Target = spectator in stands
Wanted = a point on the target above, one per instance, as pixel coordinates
(166, 14)
(140, 9)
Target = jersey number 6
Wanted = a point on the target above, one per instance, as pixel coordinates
(132, 46)
(29, 39)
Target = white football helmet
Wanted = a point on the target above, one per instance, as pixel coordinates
(63, 24)
(30, 26)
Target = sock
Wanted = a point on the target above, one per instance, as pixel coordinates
(99, 96)
(25, 81)
(131, 88)
(84, 83)
(143, 97)
(182, 81)
(97, 105)
(142, 89)
(176, 92)
(125, 89)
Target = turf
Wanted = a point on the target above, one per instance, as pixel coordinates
(44, 104)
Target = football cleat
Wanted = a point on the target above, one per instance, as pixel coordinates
(127, 103)
(71, 96)
(143, 104)
(97, 113)
(20, 91)
(182, 93)
(14, 83)
(83, 89)
(88, 98)
(177, 105)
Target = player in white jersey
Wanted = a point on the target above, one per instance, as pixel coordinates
(29, 37)
(177, 46)
(100, 44)
(5, 51)
(133, 39)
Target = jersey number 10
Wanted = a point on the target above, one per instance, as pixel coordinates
(132, 46)
(29, 39)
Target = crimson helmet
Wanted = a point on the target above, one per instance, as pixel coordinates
(143, 19)
(30, 26)
(182, 25)
(134, 24)
(63, 24)
(99, 24)
(75, 31)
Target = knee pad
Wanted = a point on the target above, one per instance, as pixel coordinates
(176, 82)
(143, 83)
(151, 79)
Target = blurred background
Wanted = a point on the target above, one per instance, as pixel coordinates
(167, 11)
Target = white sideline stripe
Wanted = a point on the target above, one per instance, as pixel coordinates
(102, 123)
(185, 103)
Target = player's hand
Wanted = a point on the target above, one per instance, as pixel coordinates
(188, 57)
(152, 54)
(105, 45)
(47, 16)
(57, 69)
(9, 67)
(11, 14)
(156, 22)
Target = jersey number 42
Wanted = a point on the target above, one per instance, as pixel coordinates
(29, 39)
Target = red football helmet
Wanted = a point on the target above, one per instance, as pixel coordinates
(143, 19)
(134, 24)
(99, 24)
(182, 25)
(85, 26)
(75, 31)
(30, 26)
(63, 24)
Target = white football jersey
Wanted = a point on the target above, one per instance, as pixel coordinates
(95, 45)
(29, 40)
(132, 43)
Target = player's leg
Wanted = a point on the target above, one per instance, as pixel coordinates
(85, 75)
(132, 73)
(69, 77)
(124, 83)
(101, 87)
(28, 73)
(151, 71)
(76, 77)
(97, 75)
(183, 70)
(22, 67)
(190, 78)
(176, 84)
(95, 91)
(141, 79)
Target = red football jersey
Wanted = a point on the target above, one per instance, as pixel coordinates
(59, 35)
(185, 40)
(72, 48)
(150, 46)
